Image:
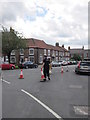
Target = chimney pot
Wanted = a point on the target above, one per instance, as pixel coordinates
(57, 44)
(63, 45)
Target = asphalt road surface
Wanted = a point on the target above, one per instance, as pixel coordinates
(64, 96)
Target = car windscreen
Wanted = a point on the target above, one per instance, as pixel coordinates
(85, 63)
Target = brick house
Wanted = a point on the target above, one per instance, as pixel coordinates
(36, 50)
(79, 51)
(87, 53)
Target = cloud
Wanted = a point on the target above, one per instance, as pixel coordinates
(64, 21)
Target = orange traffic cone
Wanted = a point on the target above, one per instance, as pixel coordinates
(21, 75)
(62, 70)
(42, 75)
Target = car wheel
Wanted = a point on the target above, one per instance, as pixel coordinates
(12, 68)
(27, 67)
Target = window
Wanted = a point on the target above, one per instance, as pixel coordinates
(21, 51)
(31, 51)
(31, 58)
(56, 53)
(41, 59)
(53, 53)
(68, 54)
(63, 53)
(44, 51)
(12, 59)
(13, 52)
(48, 52)
(6, 58)
(21, 59)
(59, 58)
(60, 54)
(56, 58)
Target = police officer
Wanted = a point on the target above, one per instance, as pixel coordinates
(46, 63)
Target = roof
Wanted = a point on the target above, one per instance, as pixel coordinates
(64, 49)
(35, 43)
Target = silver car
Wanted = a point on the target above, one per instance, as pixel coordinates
(83, 67)
(56, 64)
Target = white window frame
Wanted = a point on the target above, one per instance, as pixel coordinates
(63, 54)
(11, 60)
(31, 49)
(57, 59)
(53, 53)
(68, 54)
(56, 53)
(40, 58)
(44, 51)
(48, 52)
(21, 51)
(13, 52)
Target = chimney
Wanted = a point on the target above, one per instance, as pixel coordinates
(69, 48)
(11, 30)
(63, 45)
(57, 44)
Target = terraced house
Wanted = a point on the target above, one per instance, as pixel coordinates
(36, 50)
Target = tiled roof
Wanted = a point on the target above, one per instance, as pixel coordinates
(53, 47)
(64, 49)
(35, 43)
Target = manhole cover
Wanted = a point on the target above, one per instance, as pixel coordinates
(81, 110)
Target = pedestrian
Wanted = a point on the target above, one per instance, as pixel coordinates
(46, 63)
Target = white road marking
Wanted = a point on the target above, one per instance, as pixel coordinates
(45, 106)
(80, 111)
(5, 81)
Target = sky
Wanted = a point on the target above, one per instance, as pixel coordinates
(63, 21)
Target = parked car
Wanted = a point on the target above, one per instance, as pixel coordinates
(86, 59)
(56, 64)
(28, 64)
(64, 63)
(72, 62)
(83, 67)
(7, 66)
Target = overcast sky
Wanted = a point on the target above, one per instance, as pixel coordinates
(63, 21)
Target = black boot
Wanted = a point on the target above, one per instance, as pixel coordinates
(45, 79)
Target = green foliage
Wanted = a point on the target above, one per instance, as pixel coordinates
(11, 41)
(76, 57)
(16, 67)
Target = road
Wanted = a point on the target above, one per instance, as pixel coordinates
(64, 96)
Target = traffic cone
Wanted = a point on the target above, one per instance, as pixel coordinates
(21, 75)
(42, 75)
(62, 70)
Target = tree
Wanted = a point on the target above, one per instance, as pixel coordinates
(11, 40)
(76, 57)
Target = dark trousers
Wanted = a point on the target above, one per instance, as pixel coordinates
(46, 73)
